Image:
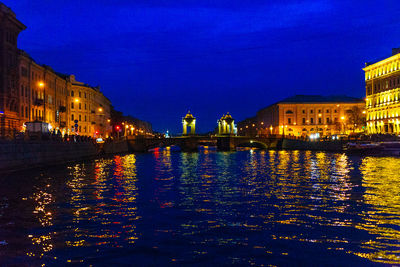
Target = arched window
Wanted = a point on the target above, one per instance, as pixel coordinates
(289, 111)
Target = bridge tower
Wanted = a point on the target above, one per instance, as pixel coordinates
(189, 121)
(226, 125)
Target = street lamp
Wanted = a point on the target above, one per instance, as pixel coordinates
(41, 85)
(343, 123)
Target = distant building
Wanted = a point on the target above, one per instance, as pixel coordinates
(90, 108)
(248, 127)
(128, 125)
(382, 82)
(302, 115)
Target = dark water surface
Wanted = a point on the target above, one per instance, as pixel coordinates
(206, 208)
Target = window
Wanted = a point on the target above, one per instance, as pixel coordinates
(72, 117)
(336, 120)
(72, 105)
(85, 117)
(24, 72)
(311, 111)
(304, 120)
(289, 120)
(319, 111)
(289, 112)
(79, 93)
(85, 95)
(72, 93)
(320, 120)
(80, 105)
(327, 111)
(335, 111)
(311, 120)
(80, 118)
(327, 121)
(85, 106)
(303, 111)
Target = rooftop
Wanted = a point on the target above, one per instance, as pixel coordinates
(321, 99)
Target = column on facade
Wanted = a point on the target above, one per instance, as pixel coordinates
(184, 128)
(193, 127)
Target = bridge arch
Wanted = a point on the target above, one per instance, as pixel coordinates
(252, 143)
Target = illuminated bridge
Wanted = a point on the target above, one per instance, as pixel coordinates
(192, 143)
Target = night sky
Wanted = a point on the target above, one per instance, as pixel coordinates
(157, 59)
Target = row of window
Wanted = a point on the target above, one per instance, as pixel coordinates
(80, 94)
(382, 70)
(79, 106)
(311, 121)
(311, 111)
(79, 117)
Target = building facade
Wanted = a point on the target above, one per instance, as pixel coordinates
(33, 92)
(10, 28)
(382, 82)
(43, 94)
(304, 115)
(89, 109)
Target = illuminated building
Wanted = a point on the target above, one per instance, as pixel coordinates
(10, 28)
(382, 80)
(226, 125)
(43, 93)
(88, 106)
(189, 121)
(302, 115)
(248, 127)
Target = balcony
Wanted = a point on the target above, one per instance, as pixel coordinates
(62, 109)
(38, 102)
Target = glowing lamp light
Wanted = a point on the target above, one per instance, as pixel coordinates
(127, 126)
(342, 118)
(100, 110)
(117, 127)
(41, 84)
(76, 100)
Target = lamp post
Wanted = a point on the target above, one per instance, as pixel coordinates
(343, 124)
(41, 85)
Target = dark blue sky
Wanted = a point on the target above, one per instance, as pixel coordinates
(157, 59)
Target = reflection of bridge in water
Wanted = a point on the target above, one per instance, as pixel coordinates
(192, 143)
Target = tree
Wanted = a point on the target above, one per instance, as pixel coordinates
(356, 118)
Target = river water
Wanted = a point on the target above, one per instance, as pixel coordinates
(206, 208)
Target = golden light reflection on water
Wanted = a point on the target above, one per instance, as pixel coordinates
(43, 213)
(381, 179)
(252, 200)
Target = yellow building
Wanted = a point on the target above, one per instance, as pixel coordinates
(303, 115)
(89, 109)
(382, 80)
(189, 122)
(226, 125)
(42, 94)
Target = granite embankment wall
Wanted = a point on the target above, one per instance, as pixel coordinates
(32, 154)
(293, 144)
(116, 146)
